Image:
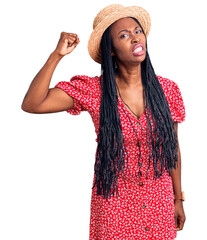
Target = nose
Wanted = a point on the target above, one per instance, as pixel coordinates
(135, 39)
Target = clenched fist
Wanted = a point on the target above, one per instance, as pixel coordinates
(67, 43)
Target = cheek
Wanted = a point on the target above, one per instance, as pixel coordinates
(122, 50)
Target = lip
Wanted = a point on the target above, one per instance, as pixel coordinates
(136, 46)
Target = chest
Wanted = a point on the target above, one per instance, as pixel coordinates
(134, 101)
(130, 104)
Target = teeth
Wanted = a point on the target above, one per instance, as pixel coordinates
(138, 49)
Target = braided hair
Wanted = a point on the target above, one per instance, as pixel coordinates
(111, 150)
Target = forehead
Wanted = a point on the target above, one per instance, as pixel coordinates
(123, 23)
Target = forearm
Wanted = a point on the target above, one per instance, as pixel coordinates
(176, 178)
(176, 173)
(39, 87)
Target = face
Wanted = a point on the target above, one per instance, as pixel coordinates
(126, 34)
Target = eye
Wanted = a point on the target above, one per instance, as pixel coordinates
(123, 35)
(138, 31)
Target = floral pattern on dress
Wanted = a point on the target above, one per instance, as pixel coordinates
(145, 208)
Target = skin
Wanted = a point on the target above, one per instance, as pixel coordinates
(129, 82)
(40, 99)
(129, 66)
(179, 214)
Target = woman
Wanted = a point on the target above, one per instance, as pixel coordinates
(136, 115)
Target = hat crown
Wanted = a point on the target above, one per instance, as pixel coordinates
(105, 12)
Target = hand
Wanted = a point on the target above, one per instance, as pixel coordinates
(179, 215)
(67, 43)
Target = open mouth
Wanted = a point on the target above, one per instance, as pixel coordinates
(138, 50)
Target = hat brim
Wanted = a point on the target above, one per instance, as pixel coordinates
(95, 38)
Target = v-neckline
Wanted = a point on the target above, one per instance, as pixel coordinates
(137, 119)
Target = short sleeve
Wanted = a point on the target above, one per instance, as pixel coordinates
(81, 88)
(174, 98)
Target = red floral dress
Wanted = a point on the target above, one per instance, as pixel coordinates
(145, 208)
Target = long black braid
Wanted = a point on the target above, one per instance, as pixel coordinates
(161, 135)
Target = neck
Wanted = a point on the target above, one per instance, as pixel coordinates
(129, 76)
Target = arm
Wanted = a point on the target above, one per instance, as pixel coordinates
(179, 215)
(176, 173)
(39, 98)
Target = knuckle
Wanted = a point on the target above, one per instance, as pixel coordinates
(73, 35)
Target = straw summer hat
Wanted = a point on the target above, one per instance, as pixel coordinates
(109, 15)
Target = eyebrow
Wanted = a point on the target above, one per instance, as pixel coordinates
(125, 30)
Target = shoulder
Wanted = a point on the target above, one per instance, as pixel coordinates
(80, 85)
(170, 87)
(174, 98)
(86, 82)
(85, 79)
(166, 83)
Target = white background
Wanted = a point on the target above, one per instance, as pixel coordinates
(47, 160)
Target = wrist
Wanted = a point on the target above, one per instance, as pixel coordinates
(56, 56)
(179, 197)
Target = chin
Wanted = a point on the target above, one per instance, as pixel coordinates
(137, 61)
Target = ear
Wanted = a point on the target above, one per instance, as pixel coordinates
(112, 53)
